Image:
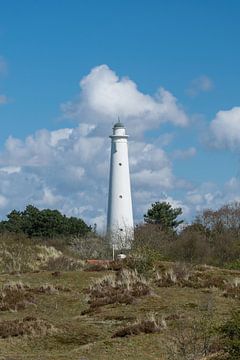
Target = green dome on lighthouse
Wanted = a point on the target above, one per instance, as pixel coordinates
(118, 125)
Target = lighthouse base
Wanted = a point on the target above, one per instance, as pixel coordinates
(121, 239)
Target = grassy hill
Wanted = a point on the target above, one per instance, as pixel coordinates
(109, 314)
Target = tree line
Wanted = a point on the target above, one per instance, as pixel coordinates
(213, 237)
(43, 223)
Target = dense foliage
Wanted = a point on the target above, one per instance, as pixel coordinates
(45, 223)
(163, 214)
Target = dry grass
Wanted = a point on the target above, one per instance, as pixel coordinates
(16, 296)
(187, 276)
(19, 254)
(232, 289)
(199, 278)
(49, 289)
(90, 337)
(220, 355)
(96, 267)
(121, 287)
(149, 325)
(29, 326)
(103, 265)
(63, 263)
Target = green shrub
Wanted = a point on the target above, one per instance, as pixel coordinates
(234, 265)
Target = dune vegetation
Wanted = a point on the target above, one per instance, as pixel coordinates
(175, 296)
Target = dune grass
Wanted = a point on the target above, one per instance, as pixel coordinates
(67, 334)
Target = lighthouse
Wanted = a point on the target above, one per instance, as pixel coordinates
(120, 216)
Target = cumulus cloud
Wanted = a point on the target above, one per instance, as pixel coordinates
(104, 97)
(3, 201)
(162, 177)
(49, 199)
(10, 169)
(69, 171)
(209, 195)
(52, 169)
(205, 196)
(200, 84)
(225, 130)
(68, 168)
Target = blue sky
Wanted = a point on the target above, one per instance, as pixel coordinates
(188, 48)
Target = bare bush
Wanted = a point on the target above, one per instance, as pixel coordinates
(232, 289)
(97, 265)
(29, 326)
(149, 325)
(151, 236)
(91, 247)
(63, 263)
(193, 339)
(187, 276)
(122, 287)
(16, 296)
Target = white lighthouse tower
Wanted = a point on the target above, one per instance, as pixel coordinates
(120, 217)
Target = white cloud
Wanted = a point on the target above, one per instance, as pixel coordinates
(104, 96)
(3, 201)
(49, 199)
(10, 169)
(233, 184)
(68, 171)
(61, 174)
(200, 84)
(100, 221)
(225, 130)
(68, 168)
(209, 195)
(162, 178)
(58, 135)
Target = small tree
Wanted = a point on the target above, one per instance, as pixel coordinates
(164, 215)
